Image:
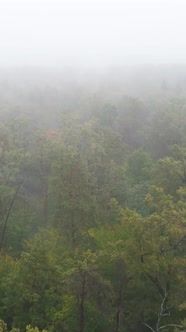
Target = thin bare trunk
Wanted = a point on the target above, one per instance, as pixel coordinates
(117, 323)
(81, 307)
(44, 190)
(8, 215)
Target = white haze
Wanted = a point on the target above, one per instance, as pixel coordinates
(92, 32)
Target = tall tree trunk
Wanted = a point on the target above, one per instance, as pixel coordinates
(81, 306)
(72, 199)
(44, 190)
(117, 319)
(8, 214)
(73, 241)
(118, 310)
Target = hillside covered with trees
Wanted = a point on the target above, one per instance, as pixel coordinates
(93, 200)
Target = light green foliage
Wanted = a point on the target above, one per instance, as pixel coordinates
(146, 256)
(170, 172)
(35, 329)
(3, 326)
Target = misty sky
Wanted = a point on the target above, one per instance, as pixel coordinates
(92, 32)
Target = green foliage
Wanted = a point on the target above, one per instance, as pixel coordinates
(92, 212)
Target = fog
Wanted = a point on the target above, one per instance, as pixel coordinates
(92, 32)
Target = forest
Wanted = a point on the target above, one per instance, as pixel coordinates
(93, 199)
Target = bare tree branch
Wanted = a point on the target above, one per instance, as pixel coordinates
(169, 325)
(161, 314)
(149, 327)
